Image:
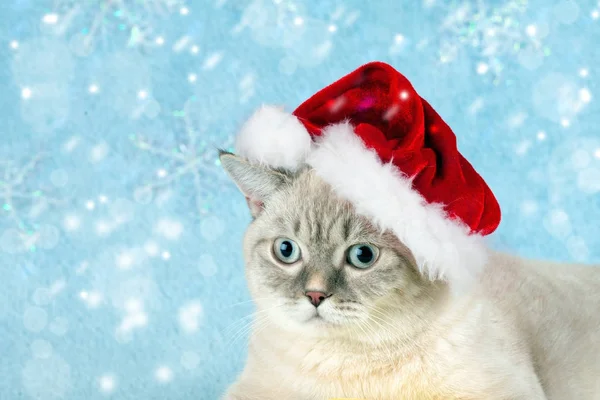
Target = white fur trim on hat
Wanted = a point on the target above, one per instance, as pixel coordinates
(443, 248)
(274, 137)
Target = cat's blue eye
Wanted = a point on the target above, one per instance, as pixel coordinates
(286, 250)
(362, 255)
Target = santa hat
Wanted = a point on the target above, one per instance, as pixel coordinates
(385, 149)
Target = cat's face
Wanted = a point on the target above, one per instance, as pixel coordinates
(312, 263)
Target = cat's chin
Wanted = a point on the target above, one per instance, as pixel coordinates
(327, 320)
(315, 320)
(319, 326)
(313, 317)
(318, 319)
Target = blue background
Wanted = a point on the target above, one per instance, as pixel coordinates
(120, 236)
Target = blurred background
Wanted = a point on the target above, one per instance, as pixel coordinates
(120, 236)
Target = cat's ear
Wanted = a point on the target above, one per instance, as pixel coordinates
(256, 182)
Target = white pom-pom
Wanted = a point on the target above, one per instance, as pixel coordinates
(274, 137)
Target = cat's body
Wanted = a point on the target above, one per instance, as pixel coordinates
(527, 330)
(530, 332)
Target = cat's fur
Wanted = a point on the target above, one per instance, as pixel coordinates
(528, 330)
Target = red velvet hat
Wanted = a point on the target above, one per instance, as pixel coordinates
(385, 149)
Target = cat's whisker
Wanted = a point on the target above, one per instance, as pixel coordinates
(374, 332)
(251, 315)
(384, 330)
(245, 330)
(255, 316)
(361, 343)
(385, 320)
(239, 321)
(381, 316)
(388, 335)
(239, 330)
(258, 326)
(264, 324)
(385, 323)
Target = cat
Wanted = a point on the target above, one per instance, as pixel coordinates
(343, 312)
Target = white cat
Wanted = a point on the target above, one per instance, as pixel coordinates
(343, 311)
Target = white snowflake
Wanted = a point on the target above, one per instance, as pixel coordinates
(163, 374)
(102, 18)
(194, 157)
(22, 203)
(107, 383)
(496, 33)
(190, 315)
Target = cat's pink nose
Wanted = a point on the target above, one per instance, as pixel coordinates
(316, 298)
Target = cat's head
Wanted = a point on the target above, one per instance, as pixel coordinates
(314, 264)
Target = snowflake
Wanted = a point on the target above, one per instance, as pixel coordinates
(17, 194)
(495, 33)
(102, 17)
(195, 156)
